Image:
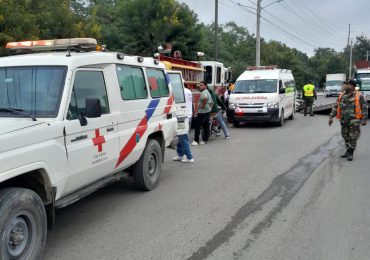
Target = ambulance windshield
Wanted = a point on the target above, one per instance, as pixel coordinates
(35, 90)
(256, 86)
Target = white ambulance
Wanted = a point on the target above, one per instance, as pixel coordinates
(263, 94)
(72, 122)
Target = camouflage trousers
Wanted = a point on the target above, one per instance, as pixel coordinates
(350, 134)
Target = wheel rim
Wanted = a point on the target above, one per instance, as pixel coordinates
(19, 235)
(152, 164)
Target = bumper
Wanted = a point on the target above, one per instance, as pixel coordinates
(272, 115)
(332, 94)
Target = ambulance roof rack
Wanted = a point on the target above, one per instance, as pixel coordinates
(268, 67)
(78, 44)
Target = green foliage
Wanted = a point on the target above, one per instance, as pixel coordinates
(140, 26)
(36, 19)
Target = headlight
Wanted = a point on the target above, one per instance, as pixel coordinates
(233, 105)
(273, 105)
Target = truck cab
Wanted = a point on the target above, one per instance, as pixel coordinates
(334, 84)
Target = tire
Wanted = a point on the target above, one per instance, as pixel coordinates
(22, 218)
(281, 121)
(236, 123)
(147, 169)
(291, 117)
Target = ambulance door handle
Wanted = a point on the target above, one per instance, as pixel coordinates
(78, 138)
(110, 129)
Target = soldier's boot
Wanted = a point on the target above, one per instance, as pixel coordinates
(345, 155)
(350, 155)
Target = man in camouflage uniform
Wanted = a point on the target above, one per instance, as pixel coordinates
(351, 110)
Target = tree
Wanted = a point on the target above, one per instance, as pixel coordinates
(37, 19)
(140, 26)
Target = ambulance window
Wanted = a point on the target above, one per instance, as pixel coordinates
(36, 90)
(157, 83)
(132, 82)
(87, 84)
(177, 87)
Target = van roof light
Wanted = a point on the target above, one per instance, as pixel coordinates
(50, 45)
(120, 56)
(268, 67)
(140, 59)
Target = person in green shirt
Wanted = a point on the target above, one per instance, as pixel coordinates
(203, 117)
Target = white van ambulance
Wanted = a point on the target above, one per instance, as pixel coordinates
(72, 122)
(263, 94)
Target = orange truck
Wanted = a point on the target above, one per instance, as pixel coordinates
(192, 72)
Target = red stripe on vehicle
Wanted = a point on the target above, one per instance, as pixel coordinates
(130, 145)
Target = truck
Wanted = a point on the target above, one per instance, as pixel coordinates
(216, 75)
(362, 75)
(192, 72)
(73, 120)
(334, 83)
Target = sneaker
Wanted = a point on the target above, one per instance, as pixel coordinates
(218, 133)
(227, 137)
(194, 143)
(177, 158)
(202, 142)
(186, 160)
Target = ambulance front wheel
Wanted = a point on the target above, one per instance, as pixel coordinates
(147, 169)
(281, 119)
(23, 225)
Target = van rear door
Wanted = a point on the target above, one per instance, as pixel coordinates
(177, 84)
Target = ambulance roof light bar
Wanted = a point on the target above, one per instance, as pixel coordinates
(86, 44)
(268, 67)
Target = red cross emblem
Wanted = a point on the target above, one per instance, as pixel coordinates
(98, 140)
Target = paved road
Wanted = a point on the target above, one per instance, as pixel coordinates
(267, 193)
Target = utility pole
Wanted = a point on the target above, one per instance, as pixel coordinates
(258, 36)
(349, 34)
(216, 29)
(350, 62)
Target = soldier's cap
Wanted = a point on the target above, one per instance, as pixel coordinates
(352, 82)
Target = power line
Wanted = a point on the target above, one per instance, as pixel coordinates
(309, 21)
(296, 36)
(334, 27)
(296, 31)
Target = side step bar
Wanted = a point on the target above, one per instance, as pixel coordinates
(81, 193)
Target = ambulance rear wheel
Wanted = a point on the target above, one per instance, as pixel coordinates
(23, 225)
(147, 169)
(291, 117)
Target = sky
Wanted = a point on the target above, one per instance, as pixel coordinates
(301, 24)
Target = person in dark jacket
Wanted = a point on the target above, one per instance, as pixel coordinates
(217, 108)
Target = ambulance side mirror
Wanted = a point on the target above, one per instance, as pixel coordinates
(93, 107)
